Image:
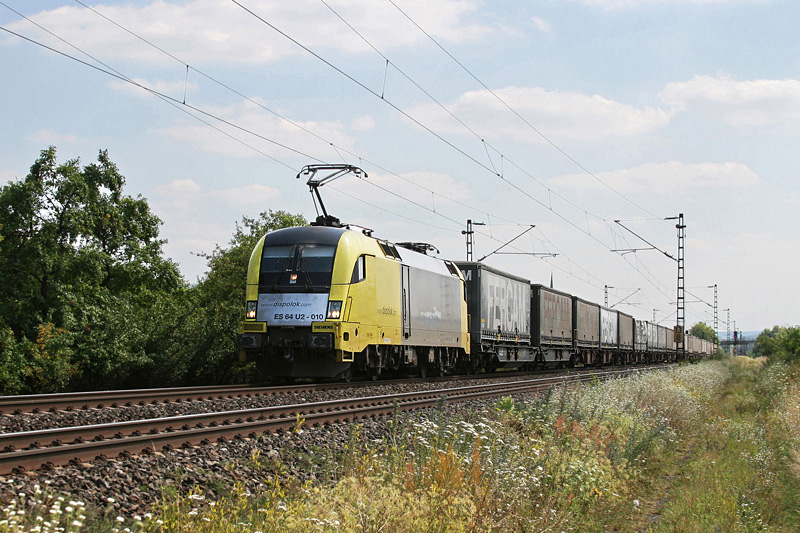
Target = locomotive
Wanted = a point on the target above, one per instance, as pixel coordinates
(327, 301)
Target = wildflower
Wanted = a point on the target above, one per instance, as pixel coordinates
(635, 504)
(120, 519)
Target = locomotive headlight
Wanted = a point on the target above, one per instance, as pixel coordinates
(334, 309)
(250, 310)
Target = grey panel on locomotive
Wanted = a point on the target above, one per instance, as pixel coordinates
(431, 298)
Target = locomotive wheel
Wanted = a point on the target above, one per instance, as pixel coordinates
(423, 370)
(347, 375)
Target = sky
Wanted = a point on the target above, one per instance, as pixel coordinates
(594, 121)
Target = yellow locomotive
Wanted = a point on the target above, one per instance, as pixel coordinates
(327, 301)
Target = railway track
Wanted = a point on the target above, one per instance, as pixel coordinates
(36, 403)
(49, 448)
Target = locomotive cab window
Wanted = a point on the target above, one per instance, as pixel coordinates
(276, 259)
(317, 258)
(359, 270)
(306, 267)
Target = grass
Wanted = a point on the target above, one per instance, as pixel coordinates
(743, 474)
(708, 447)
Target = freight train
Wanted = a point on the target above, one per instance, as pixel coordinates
(325, 301)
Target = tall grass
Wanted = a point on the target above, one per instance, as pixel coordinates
(742, 474)
(614, 455)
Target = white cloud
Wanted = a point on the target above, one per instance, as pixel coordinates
(628, 4)
(174, 89)
(271, 134)
(541, 24)
(7, 176)
(364, 123)
(198, 218)
(414, 186)
(737, 103)
(201, 30)
(51, 137)
(557, 114)
(187, 197)
(664, 178)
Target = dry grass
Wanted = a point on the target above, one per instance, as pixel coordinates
(590, 458)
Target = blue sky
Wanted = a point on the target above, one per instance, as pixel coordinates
(565, 114)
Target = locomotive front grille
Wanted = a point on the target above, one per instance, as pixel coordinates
(253, 327)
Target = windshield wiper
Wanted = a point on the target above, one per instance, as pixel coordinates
(304, 268)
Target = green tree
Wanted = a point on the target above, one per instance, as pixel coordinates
(78, 259)
(766, 343)
(779, 344)
(702, 330)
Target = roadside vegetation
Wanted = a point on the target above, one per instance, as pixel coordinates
(706, 447)
(88, 301)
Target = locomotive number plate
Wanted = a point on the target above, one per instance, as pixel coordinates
(291, 309)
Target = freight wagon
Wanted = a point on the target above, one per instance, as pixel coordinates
(499, 306)
(552, 327)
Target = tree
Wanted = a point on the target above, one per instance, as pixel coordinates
(767, 342)
(779, 344)
(87, 299)
(76, 256)
(702, 330)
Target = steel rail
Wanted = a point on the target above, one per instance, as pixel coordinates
(128, 437)
(33, 403)
(116, 398)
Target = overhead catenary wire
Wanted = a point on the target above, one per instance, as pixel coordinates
(517, 114)
(382, 95)
(165, 97)
(589, 275)
(413, 119)
(178, 104)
